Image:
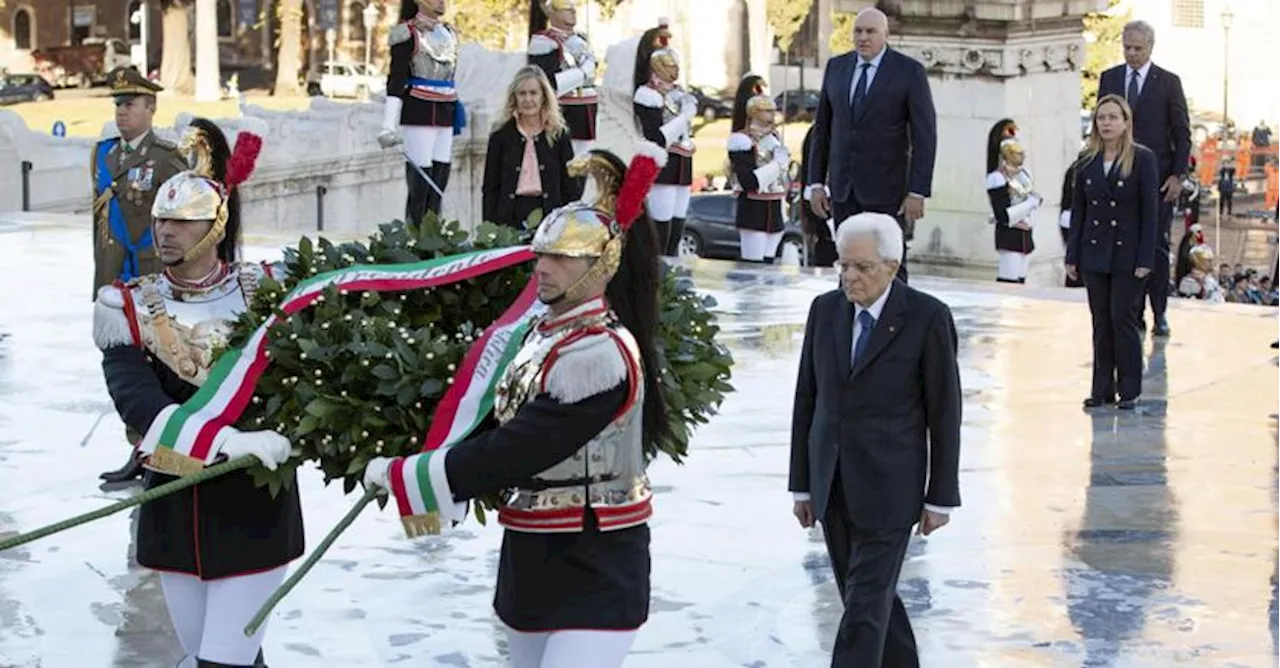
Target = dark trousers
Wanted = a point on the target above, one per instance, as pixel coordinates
(1158, 281)
(1115, 301)
(874, 630)
(842, 210)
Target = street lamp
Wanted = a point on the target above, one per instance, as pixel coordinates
(370, 20)
(1227, 18)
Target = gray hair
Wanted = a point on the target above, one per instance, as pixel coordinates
(1141, 28)
(879, 225)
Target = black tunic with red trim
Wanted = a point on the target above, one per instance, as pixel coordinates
(648, 104)
(570, 567)
(579, 111)
(757, 211)
(220, 528)
(412, 63)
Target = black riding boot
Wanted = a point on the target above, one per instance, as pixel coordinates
(674, 235)
(416, 207)
(202, 663)
(664, 233)
(131, 469)
(439, 174)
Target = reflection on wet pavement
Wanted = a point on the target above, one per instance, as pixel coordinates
(1109, 539)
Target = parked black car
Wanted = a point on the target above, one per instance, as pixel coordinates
(797, 104)
(709, 231)
(15, 88)
(711, 105)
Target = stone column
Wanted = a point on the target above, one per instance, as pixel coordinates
(989, 60)
(208, 74)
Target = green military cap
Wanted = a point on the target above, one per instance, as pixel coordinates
(127, 82)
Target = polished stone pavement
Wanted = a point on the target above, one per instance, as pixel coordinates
(1109, 539)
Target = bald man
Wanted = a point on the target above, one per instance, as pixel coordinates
(875, 134)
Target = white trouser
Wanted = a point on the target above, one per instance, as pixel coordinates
(426, 144)
(667, 202)
(209, 616)
(581, 146)
(569, 649)
(755, 245)
(1012, 265)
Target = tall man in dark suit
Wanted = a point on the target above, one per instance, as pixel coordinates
(875, 434)
(1161, 124)
(875, 133)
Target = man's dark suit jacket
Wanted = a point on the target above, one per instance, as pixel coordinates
(890, 423)
(1159, 118)
(886, 149)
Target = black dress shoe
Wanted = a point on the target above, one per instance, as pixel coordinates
(1161, 328)
(132, 469)
(1095, 402)
(1275, 344)
(1127, 404)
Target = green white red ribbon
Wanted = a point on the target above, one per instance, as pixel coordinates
(185, 442)
(419, 482)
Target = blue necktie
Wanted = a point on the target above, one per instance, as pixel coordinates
(860, 86)
(867, 323)
(1132, 94)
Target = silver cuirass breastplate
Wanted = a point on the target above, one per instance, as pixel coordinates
(436, 57)
(183, 328)
(1020, 187)
(613, 462)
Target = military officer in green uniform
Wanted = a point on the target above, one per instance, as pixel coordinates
(126, 171)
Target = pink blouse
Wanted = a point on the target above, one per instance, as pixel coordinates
(530, 181)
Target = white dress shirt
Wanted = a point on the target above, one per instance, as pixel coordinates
(871, 72)
(875, 309)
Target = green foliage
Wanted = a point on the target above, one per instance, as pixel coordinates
(1102, 49)
(786, 17)
(359, 375)
(696, 373)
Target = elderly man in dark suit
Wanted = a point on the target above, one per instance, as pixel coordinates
(875, 132)
(1160, 123)
(875, 434)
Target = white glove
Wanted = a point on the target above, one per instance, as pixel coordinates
(588, 68)
(390, 134)
(269, 447)
(375, 473)
(768, 173)
(782, 156)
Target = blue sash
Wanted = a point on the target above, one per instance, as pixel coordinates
(115, 218)
(459, 111)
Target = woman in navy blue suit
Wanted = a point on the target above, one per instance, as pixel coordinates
(1111, 246)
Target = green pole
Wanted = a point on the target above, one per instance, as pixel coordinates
(283, 590)
(166, 489)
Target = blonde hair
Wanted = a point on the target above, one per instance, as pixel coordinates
(552, 117)
(1126, 138)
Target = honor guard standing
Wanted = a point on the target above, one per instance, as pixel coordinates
(665, 112)
(577, 409)
(566, 57)
(125, 171)
(758, 163)
(222, 546)
(1012, 202)
(422, 109)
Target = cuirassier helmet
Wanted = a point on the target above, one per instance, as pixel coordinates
(595, 226)
(203, 193)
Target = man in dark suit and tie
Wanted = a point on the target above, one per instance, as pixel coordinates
(875, 133)
(1161, 124)
(875, 434)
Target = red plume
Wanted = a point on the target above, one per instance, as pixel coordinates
(641, 174)
(244, 158)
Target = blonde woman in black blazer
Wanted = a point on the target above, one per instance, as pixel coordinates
(519, 179)
(1111, 245)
